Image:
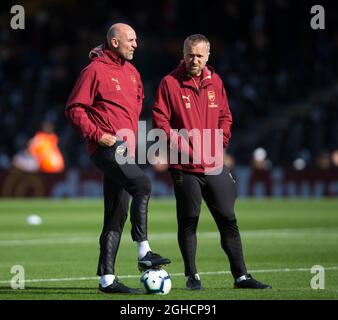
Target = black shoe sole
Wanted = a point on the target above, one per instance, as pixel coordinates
(142, 268)
(252, 288)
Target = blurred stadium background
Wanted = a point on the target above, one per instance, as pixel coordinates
(281, 78)
(280, 75)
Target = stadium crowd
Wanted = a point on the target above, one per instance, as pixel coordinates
(281, 76)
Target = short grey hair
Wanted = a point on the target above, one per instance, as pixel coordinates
(194, 39)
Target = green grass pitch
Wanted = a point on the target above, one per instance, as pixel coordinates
(282, 240)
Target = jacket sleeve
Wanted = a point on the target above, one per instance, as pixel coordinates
(161, 119)
(80, 100)
(225, 118)
(140, 94)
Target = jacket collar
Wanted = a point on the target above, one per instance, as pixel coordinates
(114, 57)
(104, 54)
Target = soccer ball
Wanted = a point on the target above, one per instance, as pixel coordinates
(155, 281)
(34, 219)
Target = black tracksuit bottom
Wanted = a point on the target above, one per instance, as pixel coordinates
(219, 193)
(119, 183)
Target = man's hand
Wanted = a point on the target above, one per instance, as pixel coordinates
(107, 140)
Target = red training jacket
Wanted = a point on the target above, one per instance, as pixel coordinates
(107, 97)
(181, 103)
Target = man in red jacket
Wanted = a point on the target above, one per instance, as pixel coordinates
(193, 97)
(106, 103)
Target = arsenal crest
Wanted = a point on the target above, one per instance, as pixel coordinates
(212, 97)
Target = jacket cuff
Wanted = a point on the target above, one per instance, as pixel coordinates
(98, 135)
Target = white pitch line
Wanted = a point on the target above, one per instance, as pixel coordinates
(47, 241)
(207, 273)
(279, 233)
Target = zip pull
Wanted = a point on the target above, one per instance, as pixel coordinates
(198, 88)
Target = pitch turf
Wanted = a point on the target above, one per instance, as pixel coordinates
(282, 240)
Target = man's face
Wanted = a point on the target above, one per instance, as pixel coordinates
(196, 57)
(126, 44)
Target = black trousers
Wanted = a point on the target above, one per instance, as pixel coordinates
(119, 183)
(219, 193)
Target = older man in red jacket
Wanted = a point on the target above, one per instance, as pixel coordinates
(105, 104)
(193, 97)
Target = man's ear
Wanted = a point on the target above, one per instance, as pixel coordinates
(114, 43)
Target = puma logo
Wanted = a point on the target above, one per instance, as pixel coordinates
(117, 86)
(186, 97)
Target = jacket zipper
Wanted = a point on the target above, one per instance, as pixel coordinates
(198, 88)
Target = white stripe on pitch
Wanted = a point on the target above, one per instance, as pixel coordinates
(173, 274)
(277, 233)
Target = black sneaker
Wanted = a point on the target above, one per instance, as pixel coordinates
(117, 287)
(250, 283)
(152, 261)
(193, 283)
